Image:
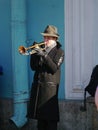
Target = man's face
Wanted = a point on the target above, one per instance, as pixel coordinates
(48, 39)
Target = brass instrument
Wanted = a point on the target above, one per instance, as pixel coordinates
(30, 50)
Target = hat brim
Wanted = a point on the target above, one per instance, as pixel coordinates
(53, 35)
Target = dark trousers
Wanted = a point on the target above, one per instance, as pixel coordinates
(47, 125)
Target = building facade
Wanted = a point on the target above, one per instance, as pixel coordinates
(21, 23)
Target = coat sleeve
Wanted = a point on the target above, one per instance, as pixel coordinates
(34, 62)
(54, 64)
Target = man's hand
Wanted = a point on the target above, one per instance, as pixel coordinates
(40, 52)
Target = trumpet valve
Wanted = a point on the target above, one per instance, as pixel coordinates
(37, 46)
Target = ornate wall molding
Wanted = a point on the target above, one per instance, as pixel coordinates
(78, 46)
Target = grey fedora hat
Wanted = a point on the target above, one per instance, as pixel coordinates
(50, 30)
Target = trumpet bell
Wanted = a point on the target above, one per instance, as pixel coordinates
(22, 49)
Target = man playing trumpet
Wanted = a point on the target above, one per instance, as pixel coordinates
(46, 64)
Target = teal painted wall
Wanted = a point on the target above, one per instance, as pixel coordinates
(40, 13)
(5, 49)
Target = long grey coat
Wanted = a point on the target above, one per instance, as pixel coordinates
(44, 93)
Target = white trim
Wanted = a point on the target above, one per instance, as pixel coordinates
(78, 46)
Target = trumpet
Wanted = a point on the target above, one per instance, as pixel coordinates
(30, 50)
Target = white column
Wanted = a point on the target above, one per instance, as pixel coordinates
(78, 46)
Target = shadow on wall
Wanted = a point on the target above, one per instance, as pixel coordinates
(1, 70)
